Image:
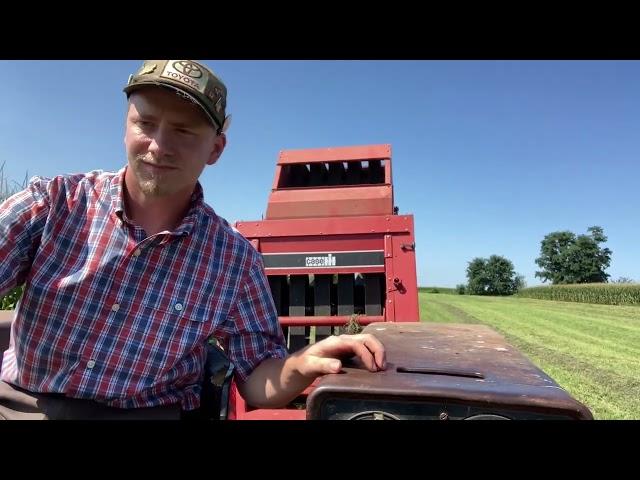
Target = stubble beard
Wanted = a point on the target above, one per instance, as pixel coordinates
(154, 184)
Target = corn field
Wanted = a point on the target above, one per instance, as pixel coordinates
(8, 302)
(602, 293)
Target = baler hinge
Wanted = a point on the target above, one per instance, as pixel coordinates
(398, 286)
(408, 246)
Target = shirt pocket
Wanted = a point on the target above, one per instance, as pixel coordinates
(187, 321)
(186, 307)
(171, 332)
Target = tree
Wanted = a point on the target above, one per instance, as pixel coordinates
(461, 289)
(493, 276)
(476, 274)
(567, 258)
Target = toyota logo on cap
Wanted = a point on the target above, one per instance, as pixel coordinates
(188, 68)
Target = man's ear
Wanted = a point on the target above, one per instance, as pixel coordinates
(218, 148)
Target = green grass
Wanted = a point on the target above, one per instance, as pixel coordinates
(593, 351)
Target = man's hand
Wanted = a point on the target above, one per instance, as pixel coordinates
(324, 357)
(275, 382)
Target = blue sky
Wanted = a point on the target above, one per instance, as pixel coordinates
(489, 156)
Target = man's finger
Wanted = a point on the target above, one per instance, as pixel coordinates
(375, 349)
(315, 366)
(364, 353)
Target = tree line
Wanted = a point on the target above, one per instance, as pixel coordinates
(565, 258)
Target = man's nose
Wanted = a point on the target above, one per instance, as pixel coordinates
(161, 142)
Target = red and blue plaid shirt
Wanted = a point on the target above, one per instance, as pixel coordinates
(111, 314)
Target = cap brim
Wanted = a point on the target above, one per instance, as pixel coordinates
(183, 93)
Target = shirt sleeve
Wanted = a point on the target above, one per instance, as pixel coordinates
(257, 333)
(22, 220)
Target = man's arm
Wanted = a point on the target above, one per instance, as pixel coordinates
(22, 220)
(277, 381)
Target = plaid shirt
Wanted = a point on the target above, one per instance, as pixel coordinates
(123, 318)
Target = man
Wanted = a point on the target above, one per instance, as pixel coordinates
(127, 275)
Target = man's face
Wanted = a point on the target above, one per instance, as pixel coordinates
(169, 141)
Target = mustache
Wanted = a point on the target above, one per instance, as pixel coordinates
(150, 159)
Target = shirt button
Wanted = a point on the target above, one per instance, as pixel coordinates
(178, 306)
(137, 252)
(91, 364)
(115, 307)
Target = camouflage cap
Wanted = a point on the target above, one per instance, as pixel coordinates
(191, 79)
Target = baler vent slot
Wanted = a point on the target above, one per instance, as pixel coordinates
(324, 296)
(319, 174)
